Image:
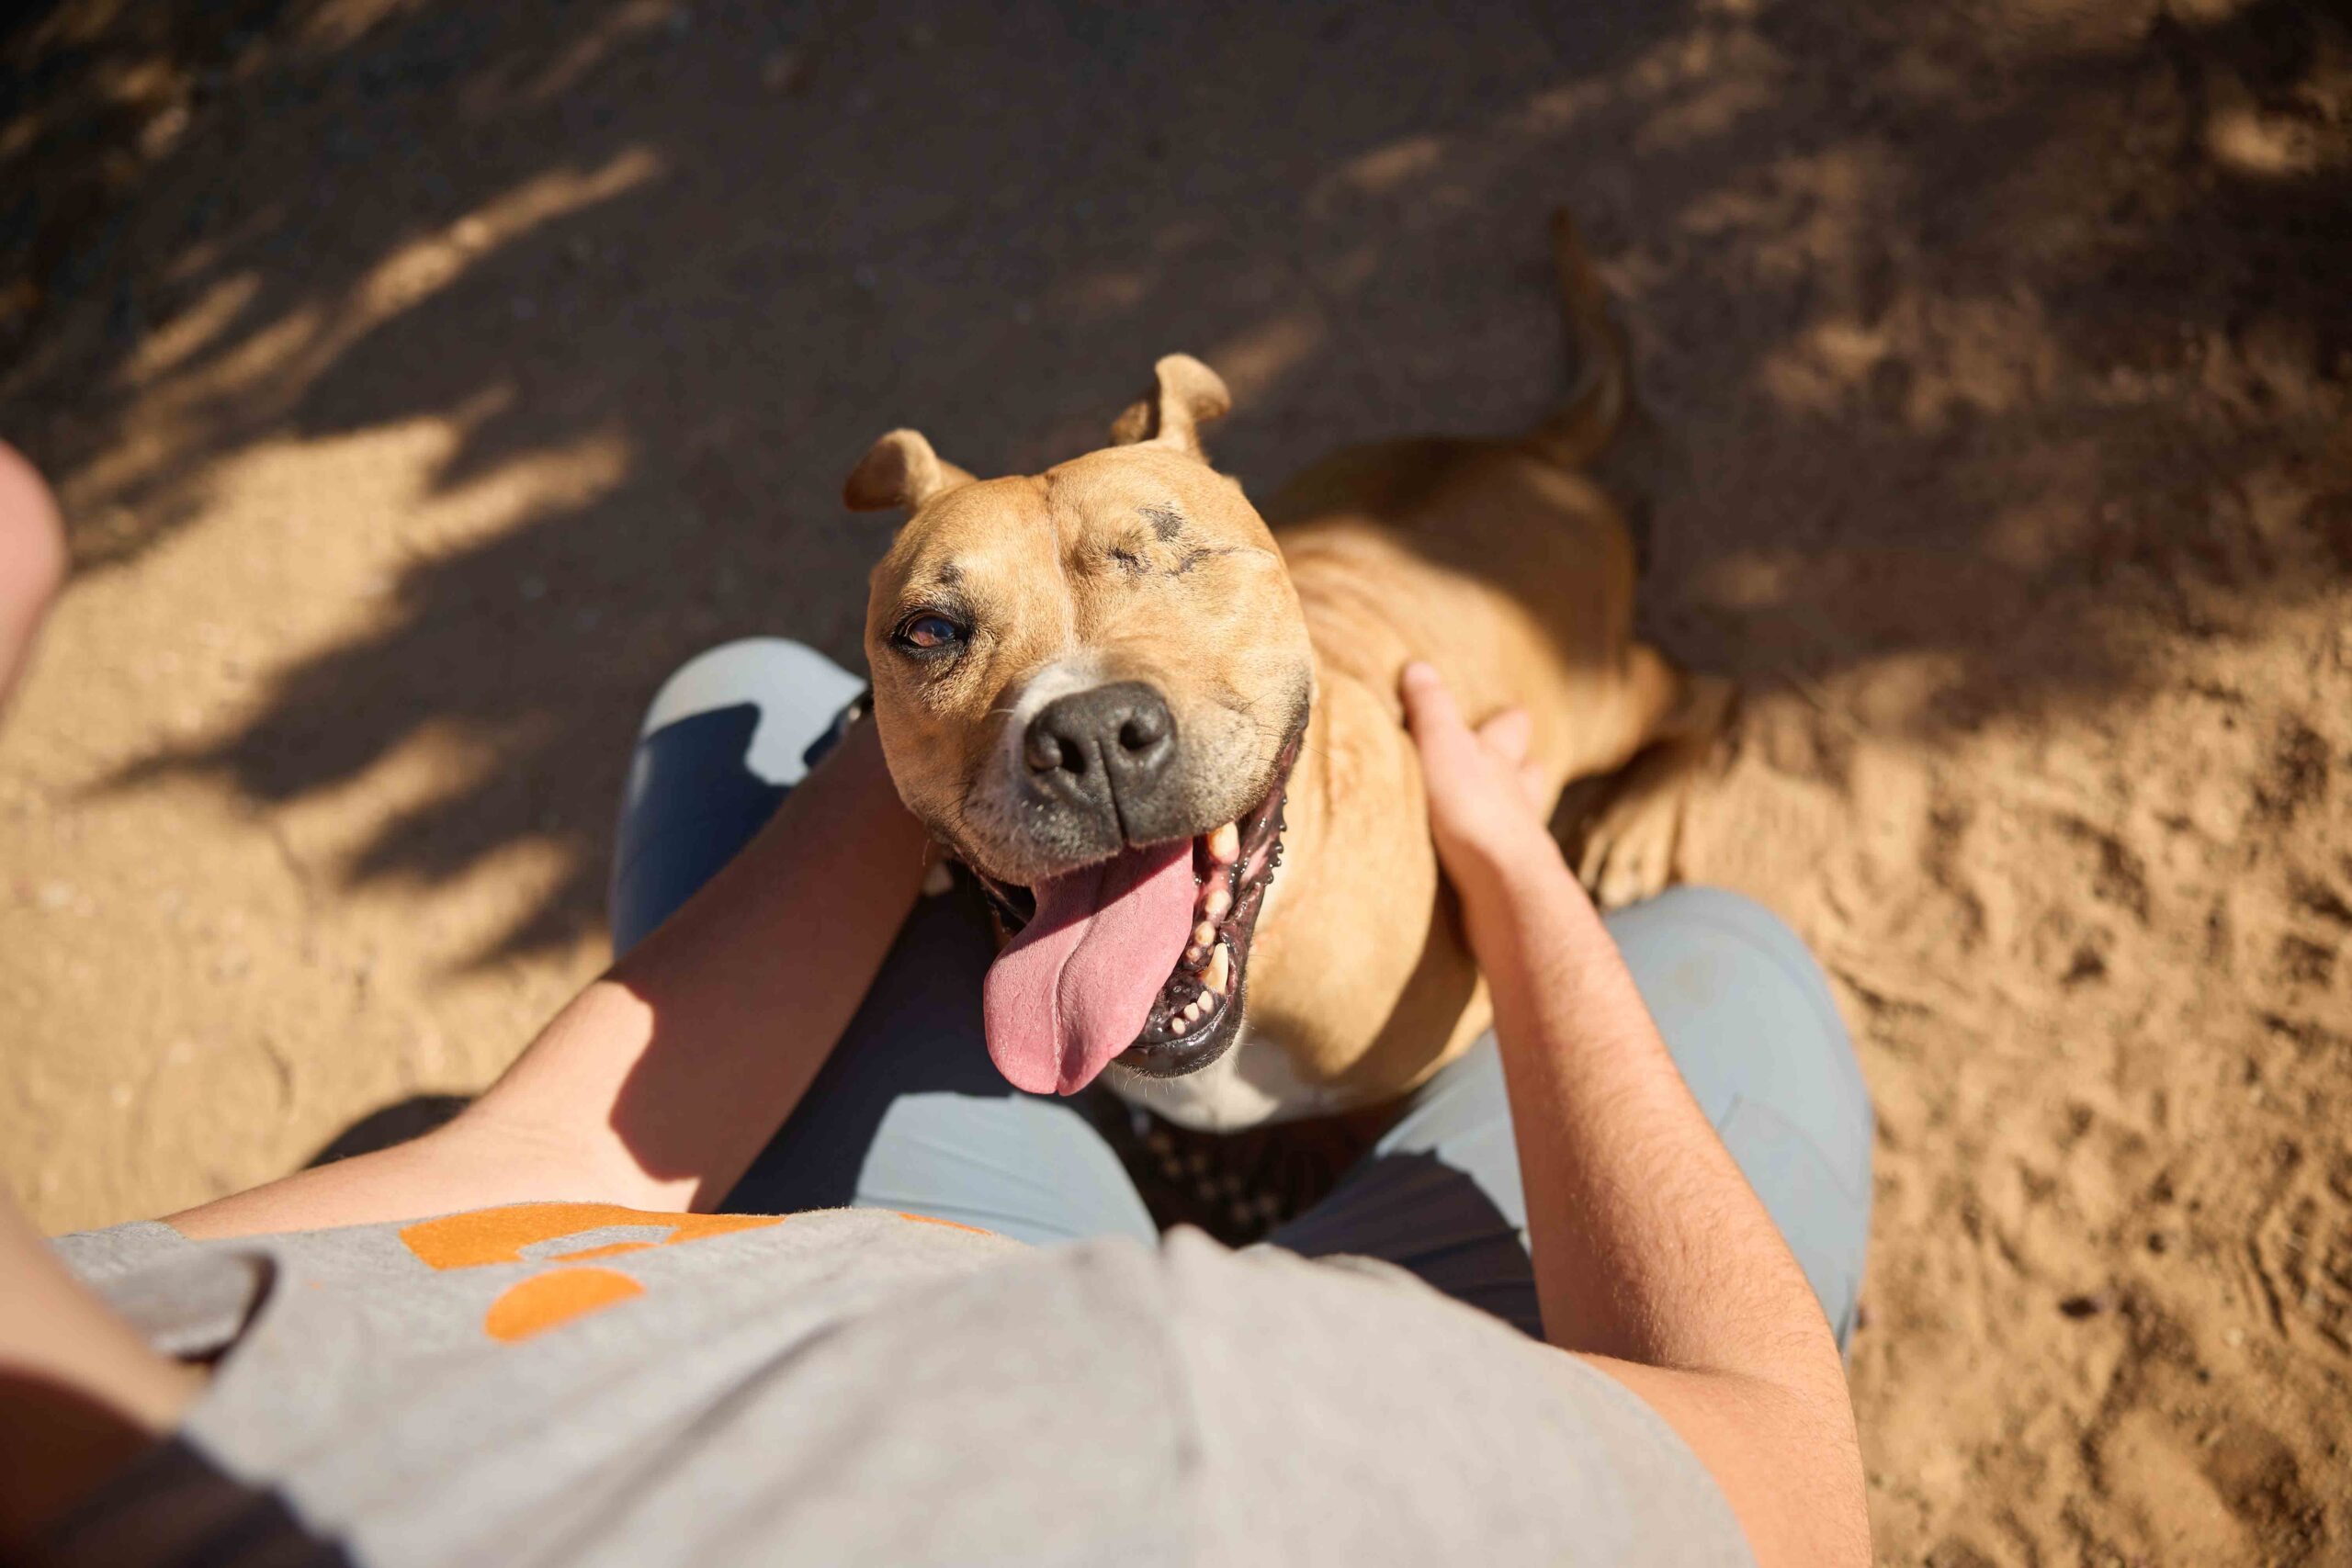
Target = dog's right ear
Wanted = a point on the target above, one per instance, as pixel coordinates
(1186, 394)
(901, 469)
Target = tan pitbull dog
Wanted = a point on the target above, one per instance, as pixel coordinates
(1113, 685)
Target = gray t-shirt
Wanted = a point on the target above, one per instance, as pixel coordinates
(579, 1383)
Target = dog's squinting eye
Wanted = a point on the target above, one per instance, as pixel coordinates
(929, 633)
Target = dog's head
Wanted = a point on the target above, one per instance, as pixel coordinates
(1090, 684)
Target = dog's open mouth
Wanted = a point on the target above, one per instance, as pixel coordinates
(1142, 959)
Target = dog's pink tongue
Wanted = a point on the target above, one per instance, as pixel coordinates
(1074, 988)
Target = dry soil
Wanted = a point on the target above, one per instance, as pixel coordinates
(424, 380)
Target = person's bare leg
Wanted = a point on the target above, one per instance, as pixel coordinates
(32, 560)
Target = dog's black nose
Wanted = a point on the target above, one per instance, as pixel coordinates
(1104, 753)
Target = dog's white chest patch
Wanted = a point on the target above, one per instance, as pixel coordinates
(1250, 1086)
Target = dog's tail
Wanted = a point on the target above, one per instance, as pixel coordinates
(1580, 429)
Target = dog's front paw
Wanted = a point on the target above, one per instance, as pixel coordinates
(1629, 849)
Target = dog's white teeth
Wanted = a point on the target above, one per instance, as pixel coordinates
(1207, 1001)
(1220, 969)
(1218, 905)
(1203, 933)
(1192, 1010)
(1177, 1024)
(1224, 844)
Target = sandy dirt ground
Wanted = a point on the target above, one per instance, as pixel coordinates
(424, 380)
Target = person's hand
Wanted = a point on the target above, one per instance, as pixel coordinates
(1487, 801)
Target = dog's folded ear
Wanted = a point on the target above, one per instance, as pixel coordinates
(1188, 395)
(901, 469)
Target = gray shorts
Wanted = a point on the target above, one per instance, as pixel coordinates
(908, 1113)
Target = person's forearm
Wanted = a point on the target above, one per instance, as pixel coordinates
(1653, 1256)
(1655, 1262)
(658, 1084)
(1648, 1244)
(739, 998)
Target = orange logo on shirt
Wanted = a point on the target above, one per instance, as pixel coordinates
(499, 1236)
(543, 1301)
(559, 1295)
(556, 1296)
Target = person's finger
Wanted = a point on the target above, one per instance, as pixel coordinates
(1507, 734)
(1430, 712)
